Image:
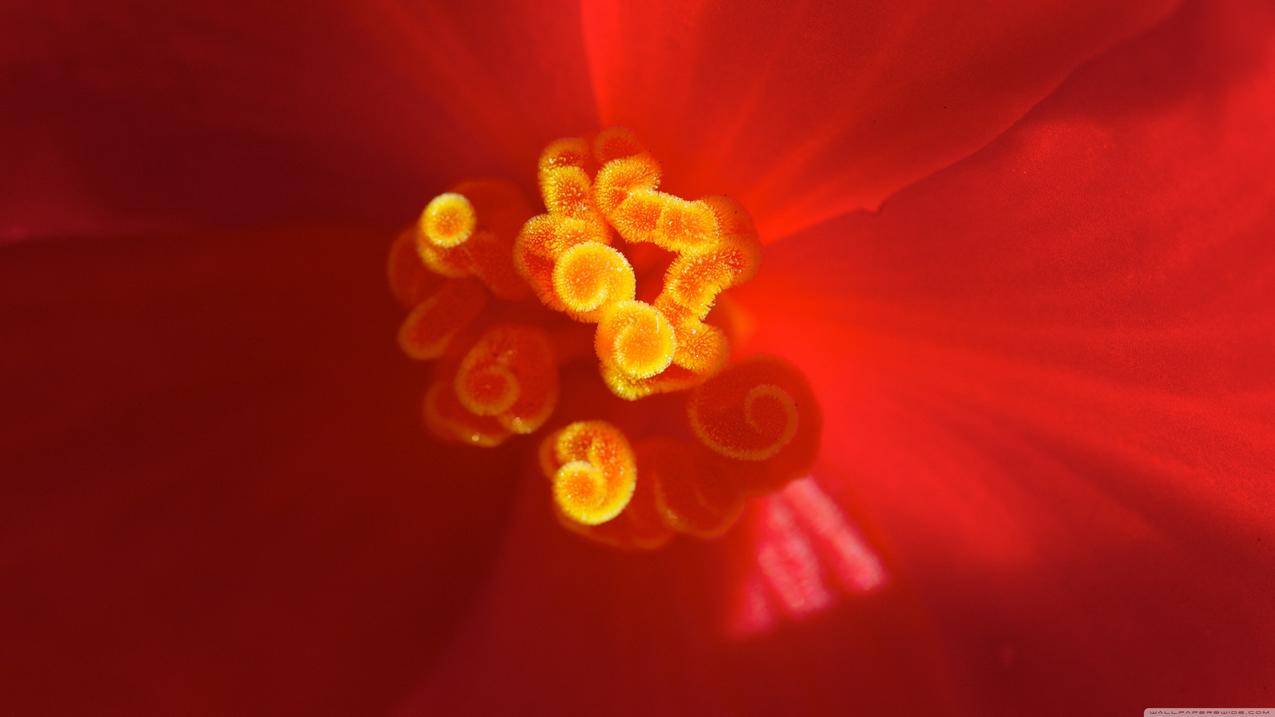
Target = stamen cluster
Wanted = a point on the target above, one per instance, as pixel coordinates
(467, 271)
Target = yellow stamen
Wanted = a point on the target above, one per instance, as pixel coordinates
(467, 270)
(635, 339)
(761, 411)
(448, 220)
(429, 328)
(591, 276)
(694, 492)
(565, 257)
(447, 419)
(470, 230)
(594, 474)
(510, 374)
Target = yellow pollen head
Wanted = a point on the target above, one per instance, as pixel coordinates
(593, 470)
(581, 485)
(620, 178)
(589, 276)
(567, 191)
(448, 220)
(685, 226)
(635, 339)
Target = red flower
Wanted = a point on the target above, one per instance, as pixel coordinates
(1045, 363)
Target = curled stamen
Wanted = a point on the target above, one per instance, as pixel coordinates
(625, 177)
(755, 426)
(568, 192)
(563, 153)
(447, 419)
(510, 374)
(761, 411)
(590, 276)
(566, 257)
(593, 471)
(429, 328)
(694, 491)
(695, 279)
(544, 240)
(638, 527)
(635, 340)
(470, 230)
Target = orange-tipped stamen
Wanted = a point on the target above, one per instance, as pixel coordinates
(694, 491)
(589, 277)
(635, 340)
(448, 220)
(760, 411)
(594, 474)
(429, 328)
(565, 257)
(510, 374)
(469, 269)
(447, 419)
(470, 231)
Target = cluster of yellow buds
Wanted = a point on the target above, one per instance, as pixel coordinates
(596, 189)
(467, 271)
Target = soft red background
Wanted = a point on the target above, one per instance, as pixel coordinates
(1045, 356)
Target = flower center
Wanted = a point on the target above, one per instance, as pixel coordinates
(612, 287)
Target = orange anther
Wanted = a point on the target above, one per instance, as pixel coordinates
(448, 220)
(638, 527)
(447, 419)
(430, 326)
(755, 425)
(594, 474)
(510, 374)
(622, 177)
(761, 411)
(695, 279)
(567, 191)
(470, 230)
(591, 276)
(694, 491)
(542, 241)
(565, 152)
(635, 340)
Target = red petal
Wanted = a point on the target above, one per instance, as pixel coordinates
(567, 627)
(808, 110)
(1047, 377)
(213, 113)
(218, 494)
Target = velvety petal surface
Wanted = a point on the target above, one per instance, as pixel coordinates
(807, 110)
(217, 494)
(144, 115)
(567, 627)
(1048, 379)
